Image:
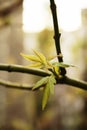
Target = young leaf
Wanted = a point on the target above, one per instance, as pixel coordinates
(53, 57)
(52, 82)
(60, 64)
(56, 69)
(41, 57)
(45, 96)
(41, 82)
(36, 65)
(49, 65)
(31, 57)
(48, 89)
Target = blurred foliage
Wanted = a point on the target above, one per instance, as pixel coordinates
(20, 124)
(4, 21)
(46, 43)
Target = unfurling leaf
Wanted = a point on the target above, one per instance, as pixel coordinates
(36, 65)
(60, 64)
(45, 96)
(31, 57)
(53, 57)
(41, 82)
(41, 57)
(48, 89)
(52, 82)
(48, 82)
(56, 69)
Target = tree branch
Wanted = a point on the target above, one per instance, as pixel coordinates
(38, 72)
(73, 82)
(12, 85)
(57, 34)
(65, 80)
(22, 69)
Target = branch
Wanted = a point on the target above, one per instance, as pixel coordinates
(57, 34)
(75, 83)
(22, 69)
(65, 80)
(12, 85)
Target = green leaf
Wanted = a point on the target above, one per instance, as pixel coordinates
(36, 65)
(41, 82)
(56, 69)
(52, 82)
(31, 57)
(60, 64)
(41, 57)
(45, 96)
(48, 89)
(53, 57)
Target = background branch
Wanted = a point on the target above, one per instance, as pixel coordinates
(14, 85)
(9, 9)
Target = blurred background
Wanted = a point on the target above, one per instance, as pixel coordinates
(27, 25)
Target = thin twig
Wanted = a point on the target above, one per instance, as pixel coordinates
(57, 34)
(14, 85)
(65, 80)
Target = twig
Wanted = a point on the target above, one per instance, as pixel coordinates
(38, 72)
(57, 34)
(65, 80)
(75, 83)
(12, 85)
(22, 69)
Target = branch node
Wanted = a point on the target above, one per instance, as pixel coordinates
(9, 68)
